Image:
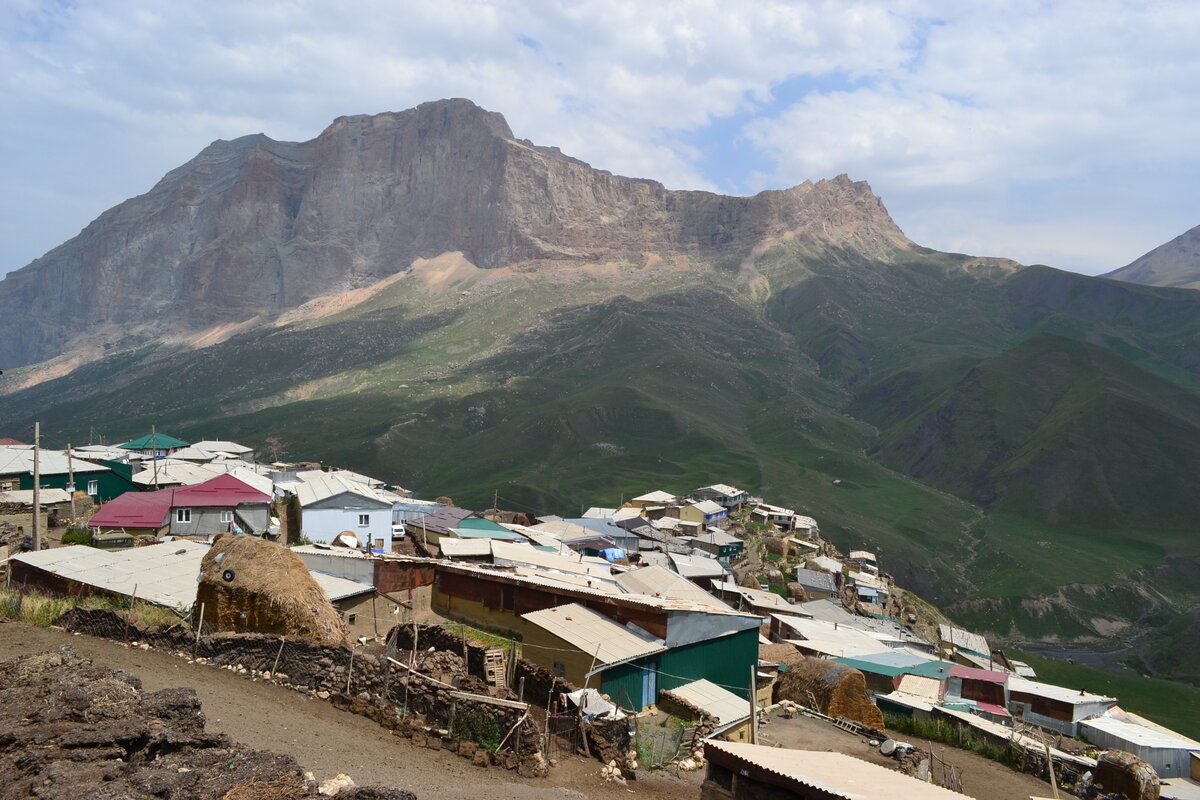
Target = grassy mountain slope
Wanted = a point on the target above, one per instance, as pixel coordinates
(1015, 442)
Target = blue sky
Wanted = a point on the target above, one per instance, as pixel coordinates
(1058, 133)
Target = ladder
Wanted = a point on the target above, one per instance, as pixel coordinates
(495, 667)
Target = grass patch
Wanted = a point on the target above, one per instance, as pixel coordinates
(43, 611)
(960, 736)
(478, 637)
(477, 727)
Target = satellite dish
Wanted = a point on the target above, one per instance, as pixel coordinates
(227, 575)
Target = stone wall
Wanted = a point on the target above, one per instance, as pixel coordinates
(357, 679)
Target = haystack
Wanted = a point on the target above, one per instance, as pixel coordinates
(837, 689)
(249, 584)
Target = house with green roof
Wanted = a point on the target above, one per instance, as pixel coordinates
(154, 444)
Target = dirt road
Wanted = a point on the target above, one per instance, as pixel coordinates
(328, 741)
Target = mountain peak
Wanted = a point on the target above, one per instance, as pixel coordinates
(252, 227)
(1174, 264)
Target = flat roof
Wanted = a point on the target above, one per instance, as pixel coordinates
(1141, 735)
(837, 774)
(163, 573)
(606, 641)
(725, 706)
(1051, 692)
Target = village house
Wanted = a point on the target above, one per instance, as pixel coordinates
(963, 647)
(154, 445)
(55, 469)
(428, 528)
(133, 515)
(1169, 753)
(219, 505)
(222, 447)
(729, 713)
(722, 494)
(702, 513)
(777, 516)
(866, 561)
(165, 574)
(723, 546)
(868, 588)
(742, 771)
(1054, 707)
(700, 640)
(653, 499)
(331, 505)
(817, 584)
(698, 567)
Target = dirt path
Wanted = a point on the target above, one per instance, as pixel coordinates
(328, 741)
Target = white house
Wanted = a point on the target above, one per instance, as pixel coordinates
(330, 505)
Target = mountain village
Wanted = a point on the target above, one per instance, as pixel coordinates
(686, 629)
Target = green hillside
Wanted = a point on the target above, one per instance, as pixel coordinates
(1015, 443)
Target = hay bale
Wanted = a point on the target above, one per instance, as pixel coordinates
(1125, 774)
(251, 584)
(838, 690)
(786, 654)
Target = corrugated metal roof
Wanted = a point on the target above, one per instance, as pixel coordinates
(316, 486)
(661, 582)
(18, 459)
(709, 507)
(1052, 692)
(163, 573)
(464, 548)
(134, 510)
(695, 566)
(655, 497)
(222, 446)
(723, 489)
(972, 674)
(156, 441)
(223, 491)
(1137, 734)
(964, 639)
(725, 706)
(46, 497)
(595, 634)
(838, 774)
(816, 579)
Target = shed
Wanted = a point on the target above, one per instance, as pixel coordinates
(1168, 752)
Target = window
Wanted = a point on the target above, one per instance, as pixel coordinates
(353, 618)
(183, 515)
(226, 516)
(93, 488)
(506, 598)
(364, 520)
(560, 669)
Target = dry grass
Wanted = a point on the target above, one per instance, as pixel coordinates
(43, 611)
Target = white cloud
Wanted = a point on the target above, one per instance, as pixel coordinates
(924, 99)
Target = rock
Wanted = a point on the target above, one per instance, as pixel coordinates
(334, 786)
(324, 695)
(481, 758)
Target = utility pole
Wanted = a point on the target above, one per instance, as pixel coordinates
(496, 499)
(154, 453)
(753, 704)
(71, 484)
(37, 488)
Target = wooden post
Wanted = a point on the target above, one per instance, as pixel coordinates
(70, 486)
(753, 704)
(510, 669)
(275, 666)
(1050, 768)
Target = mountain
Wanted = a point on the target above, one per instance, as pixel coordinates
(1176, 263)
(423, 297)
(253, 226)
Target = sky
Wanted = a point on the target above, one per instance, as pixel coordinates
(1060, 133)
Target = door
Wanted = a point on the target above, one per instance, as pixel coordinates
(650, 683)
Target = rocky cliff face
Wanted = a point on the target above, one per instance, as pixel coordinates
(253, 226)
(1175, 264)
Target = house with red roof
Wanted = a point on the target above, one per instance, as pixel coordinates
(219, 505)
